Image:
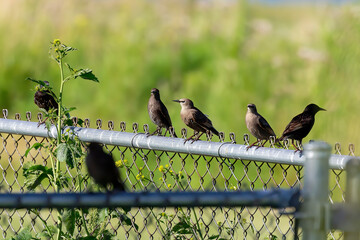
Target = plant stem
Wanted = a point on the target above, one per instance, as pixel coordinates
(197, 224)
(56, 171)
(60, 101)
(79, 187)
(44, 222)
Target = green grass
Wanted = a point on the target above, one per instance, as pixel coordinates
(220, 56)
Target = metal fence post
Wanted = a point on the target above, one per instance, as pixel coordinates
(352, 196)
(315, 212)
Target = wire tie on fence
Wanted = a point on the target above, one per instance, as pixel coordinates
(5, 113)
(17, 116)
(28, 116)
(122, 126)
(184, 133)
(40, 117)
(146, 128)
(75, 121)
(351, 149)
(172, 131)
(286, 144)
(87, 122)
(246, 139)
(209, 135)
(221, 136)
(98, 123)
(135, 127)
(338, 148)
(272, 141)
(232, 137)
(111, 125)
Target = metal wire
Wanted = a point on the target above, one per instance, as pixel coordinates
(201, 166)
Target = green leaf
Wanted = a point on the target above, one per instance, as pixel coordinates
(35, 174)
(48, 235)
(62, 152)
(214, 237)
(86, 74)
(69, 220)
(127, 221)
(103, 214)
(35, 146)
(31, 185)
(182, 227)
(24, 234)
(70, 68)
(68, 49)
(87, 238)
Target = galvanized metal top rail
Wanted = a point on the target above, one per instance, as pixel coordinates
(276, 198)
(141, 140)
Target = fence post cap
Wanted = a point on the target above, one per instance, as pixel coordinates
(317, 146)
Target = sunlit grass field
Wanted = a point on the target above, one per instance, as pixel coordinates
(221, 55)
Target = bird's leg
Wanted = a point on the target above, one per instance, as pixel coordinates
(262, 145)
(172, 132)
(158, 129)
(299, 148)
(191, 138)
(42, 122)
(257, 141)
(197, 138)
(166, 130)
(292, 142)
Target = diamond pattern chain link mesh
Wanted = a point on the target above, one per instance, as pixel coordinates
(144, 169)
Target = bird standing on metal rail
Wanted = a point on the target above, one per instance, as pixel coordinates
(257, 126)
(159, 114)
(195, 119)
(300, 126)
(44, 98)
(102, 168)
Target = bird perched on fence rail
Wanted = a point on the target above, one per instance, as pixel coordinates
(44, 98)
(195, 119)
(258, 126)
(159, 114)
(102, 168)
(300, 126)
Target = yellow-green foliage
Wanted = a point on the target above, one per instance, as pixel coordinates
(221, 54)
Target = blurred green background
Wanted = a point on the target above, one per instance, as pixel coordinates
(221, 54)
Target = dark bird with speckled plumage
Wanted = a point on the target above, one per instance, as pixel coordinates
(44, 98)
(258, 126)
(102, 168)
(195, 119)
(300, 126)
(158, 113)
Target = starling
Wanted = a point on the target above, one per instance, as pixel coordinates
(102, 168)
(257, 126)
(195, 119)
(300, 126)
(44, 98)
(158, 113)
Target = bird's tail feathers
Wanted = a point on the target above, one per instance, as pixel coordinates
(119, 186)
(214, 131)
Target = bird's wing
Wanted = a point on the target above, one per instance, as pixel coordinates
(202, 120)
(296, 123)
(265, 126)
(165, 114)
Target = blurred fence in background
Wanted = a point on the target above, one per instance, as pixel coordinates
(147, 167)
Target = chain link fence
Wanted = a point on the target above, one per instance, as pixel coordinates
(154, 170)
